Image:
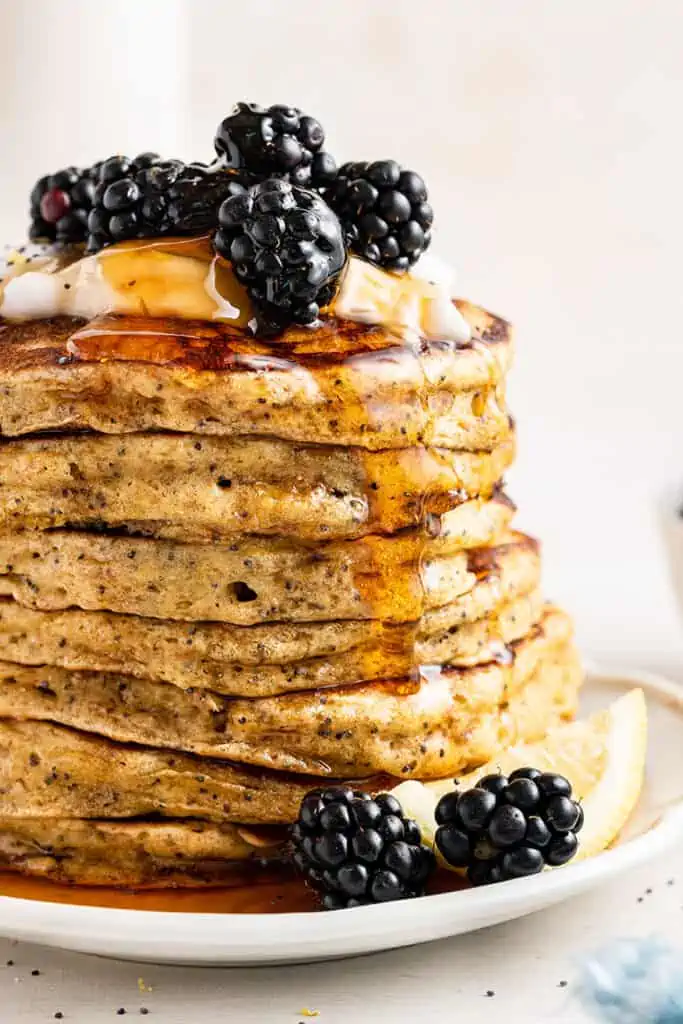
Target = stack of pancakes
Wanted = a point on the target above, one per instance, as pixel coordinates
(232, 571)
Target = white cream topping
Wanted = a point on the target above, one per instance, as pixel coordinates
(432, 268)
(75, 290)
(161, 278)
(183, 278)
(410, 304)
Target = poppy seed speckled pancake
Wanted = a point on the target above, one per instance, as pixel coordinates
(175, 485)
(396, 578)
(137, 854)
(260, 661)
(413, 727)
(344, 383)
(49, 771)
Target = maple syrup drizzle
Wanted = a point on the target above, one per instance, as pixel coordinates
(355, 382)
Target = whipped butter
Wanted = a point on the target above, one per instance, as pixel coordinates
(411, 305)
(184, 278)
(160, 278)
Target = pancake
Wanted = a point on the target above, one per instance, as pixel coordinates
(260, 661)
(476, 643)
(255, 580)
(413, 727)
(547, 699)
(344, 383)
(50, 771)
(137, 854)
(177, 486)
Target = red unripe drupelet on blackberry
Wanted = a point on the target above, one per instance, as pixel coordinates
(60, 204)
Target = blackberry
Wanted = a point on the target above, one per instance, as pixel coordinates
(512, 827)
(60, 204)
(275, 142)
(384, 212)
(286, 246)
(107, 171)
(162, 198)
(356, 850)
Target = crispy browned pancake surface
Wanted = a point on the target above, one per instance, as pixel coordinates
(343, 383)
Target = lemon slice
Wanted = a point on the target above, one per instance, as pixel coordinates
(602, 756)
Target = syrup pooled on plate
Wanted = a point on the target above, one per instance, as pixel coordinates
(271, 891)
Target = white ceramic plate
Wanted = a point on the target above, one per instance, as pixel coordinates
(243, 939)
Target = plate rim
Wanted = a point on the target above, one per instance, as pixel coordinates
(46, 923)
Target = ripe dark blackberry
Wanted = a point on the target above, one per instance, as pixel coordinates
(384, 212)
(60, 204)
(357, 850)
(286, 246)
(275, 142)
(506, 828)
(163, 198)
(114, 167)
(105, 173)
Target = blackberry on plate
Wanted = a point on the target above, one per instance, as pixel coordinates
(286, 246)
(509, 827)
(384, 212)
(277, 141)
(356, 849)
(161, 198)
(60, 204)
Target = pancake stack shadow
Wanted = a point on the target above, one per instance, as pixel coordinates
(232, 572)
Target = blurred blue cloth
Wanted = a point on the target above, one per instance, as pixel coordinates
(634, 981)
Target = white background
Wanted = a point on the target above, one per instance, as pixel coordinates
(550, 136)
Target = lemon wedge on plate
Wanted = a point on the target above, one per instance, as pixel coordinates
(602, 756)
